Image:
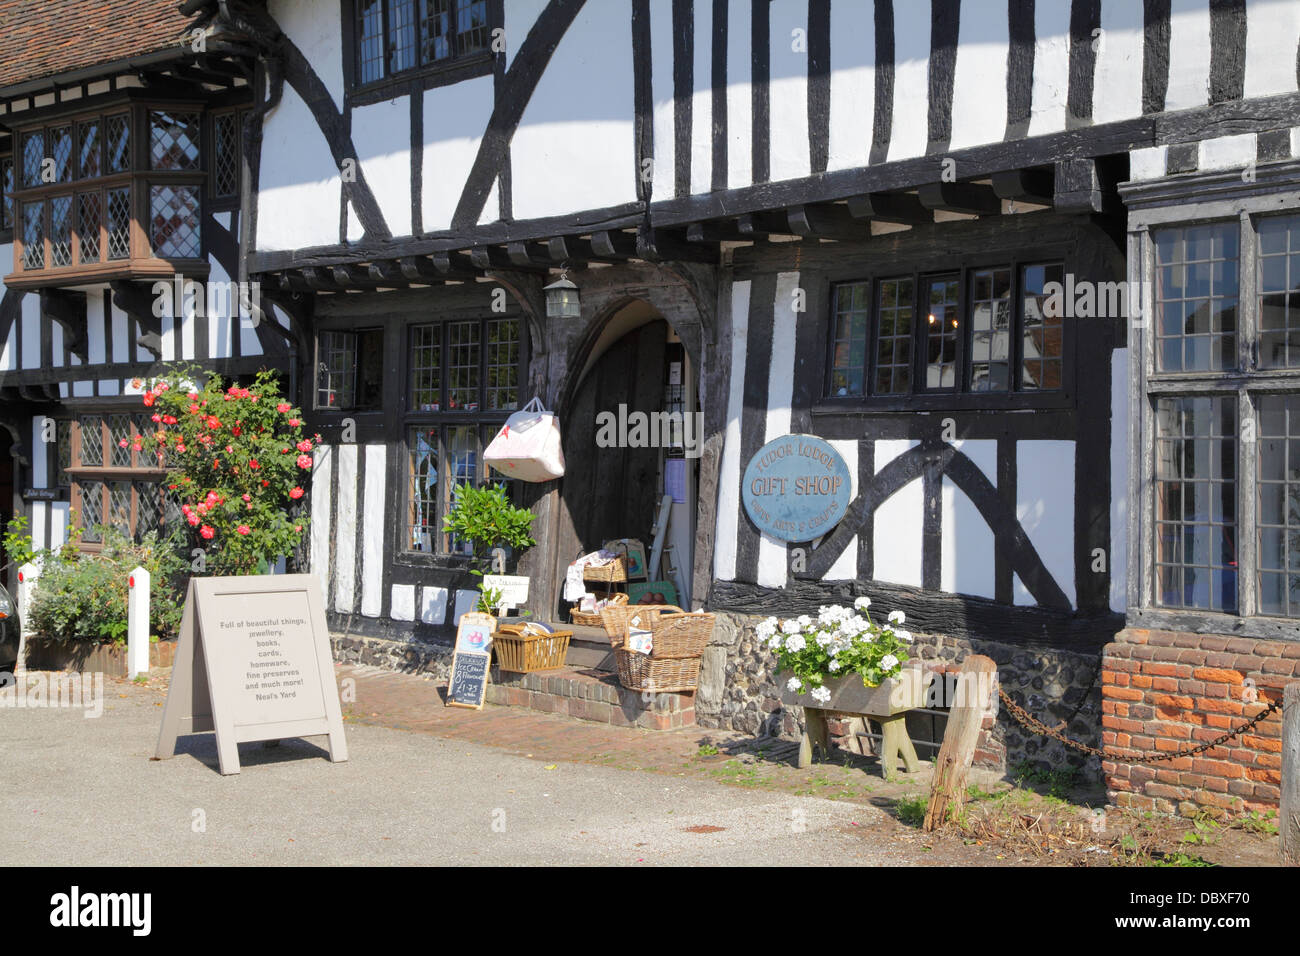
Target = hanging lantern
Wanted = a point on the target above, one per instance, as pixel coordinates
(562, 299)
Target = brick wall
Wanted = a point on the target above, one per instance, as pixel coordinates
(1168, 691)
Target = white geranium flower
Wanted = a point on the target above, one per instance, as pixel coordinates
(766, 628)
(790, 627)
(897, 617)
(804, 620)
(793, 684)
(862, 603)
(888, 662)
(834, 666)
(823, 638)
(795, 643)
(821, 694)
(904, 636)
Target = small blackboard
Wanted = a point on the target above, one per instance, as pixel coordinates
(469, 678)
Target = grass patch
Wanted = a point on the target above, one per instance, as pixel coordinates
(911, 810)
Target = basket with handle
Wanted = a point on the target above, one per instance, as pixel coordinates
(673, 664)
(616, 618)
(615, 572)
(524, 648)
(595, 620)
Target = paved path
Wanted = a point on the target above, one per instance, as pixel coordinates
(459, 790)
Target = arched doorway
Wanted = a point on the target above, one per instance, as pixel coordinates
(631, 436)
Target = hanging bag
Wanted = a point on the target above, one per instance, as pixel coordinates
(528, 447)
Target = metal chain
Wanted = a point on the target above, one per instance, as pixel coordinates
(1038, 727)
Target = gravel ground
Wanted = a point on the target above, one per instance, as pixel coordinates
(78, 791)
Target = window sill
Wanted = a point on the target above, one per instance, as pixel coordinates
(423, 78)
(1215, 622)
(148, 269)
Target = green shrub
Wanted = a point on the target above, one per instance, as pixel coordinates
(83, 596)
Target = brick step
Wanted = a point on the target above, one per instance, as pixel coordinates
(590, 694)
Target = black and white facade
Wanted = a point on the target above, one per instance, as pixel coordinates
(837, 218)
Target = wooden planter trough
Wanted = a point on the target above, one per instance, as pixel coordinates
(887, 704)
(48, 654)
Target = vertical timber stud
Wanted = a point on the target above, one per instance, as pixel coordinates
(952, 766)
(1289, 819)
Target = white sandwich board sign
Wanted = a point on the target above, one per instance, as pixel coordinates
(253, 663)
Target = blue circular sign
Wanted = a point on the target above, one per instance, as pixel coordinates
(796, 488)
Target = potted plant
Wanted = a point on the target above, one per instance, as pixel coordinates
(844, 661)
(486, 519)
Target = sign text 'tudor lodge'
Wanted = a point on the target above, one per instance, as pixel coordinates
(796, 488)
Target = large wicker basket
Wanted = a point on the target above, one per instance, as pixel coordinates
(673, 664)
(597, 619)
(616, 617)
(524, 649)
(613, 573)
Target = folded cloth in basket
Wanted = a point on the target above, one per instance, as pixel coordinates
(574, 588)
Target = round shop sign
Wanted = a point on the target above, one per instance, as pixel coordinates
(796, 488)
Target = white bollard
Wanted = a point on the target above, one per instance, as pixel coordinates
(137, 623)
(27, 575)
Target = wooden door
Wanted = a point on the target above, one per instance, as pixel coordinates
(611, 492)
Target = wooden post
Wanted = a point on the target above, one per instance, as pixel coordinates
(27, 575)
(137, 623)
(1289, 816)
(952, 766)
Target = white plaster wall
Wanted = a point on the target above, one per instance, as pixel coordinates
(373, 530)
(1272, 35)
(298, 199)
(853, 84)
(520, 15)
(729, 475)
(322, 487)
(381, 134)
(345, 535)
(740, 97)
(788, 90)
(1117, 84)
(897, 539)
(1045, 509)
(773, 570)
(315, 28)
(575, 147)
(661, 94)
(967, 547)
(1189, 54)
(910, 130)
(1051, 85)
(31, 313)
(702, 101)
(454, 120)
(979, 92)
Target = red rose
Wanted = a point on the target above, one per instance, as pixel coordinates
(192, 518)
(169, 419)
(303, 445)
(296, 493)
(304, 461)
(254, 464)
(149, 398)
(155, 417)
(244, 529)
(213, 422)
(283, 407)
(294, 423)
(207, 532)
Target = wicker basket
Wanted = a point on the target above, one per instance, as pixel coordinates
(673, 664)
(645, 673)
(613, 573)
(616, 617)
(522, 649)
(595, 620)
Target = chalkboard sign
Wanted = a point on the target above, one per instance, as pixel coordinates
(253, 663)
(469, 678)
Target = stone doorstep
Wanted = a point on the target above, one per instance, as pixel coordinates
(593, 695)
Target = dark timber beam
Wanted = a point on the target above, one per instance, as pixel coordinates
(419, 269)
(1024, 185)
(902, 208)
(614, 245)
(657, 245)
(570, 249)
(529, 255)
(387, 273)
(490, 257)
(319, 279)
(969, 198)
(136, 300)
(454, 265)
(1078, 187)
(715, 232)
(69, 310)
(825, 221)
(755, 225)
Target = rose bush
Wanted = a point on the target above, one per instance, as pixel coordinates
(238, 460)
(838, 641)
